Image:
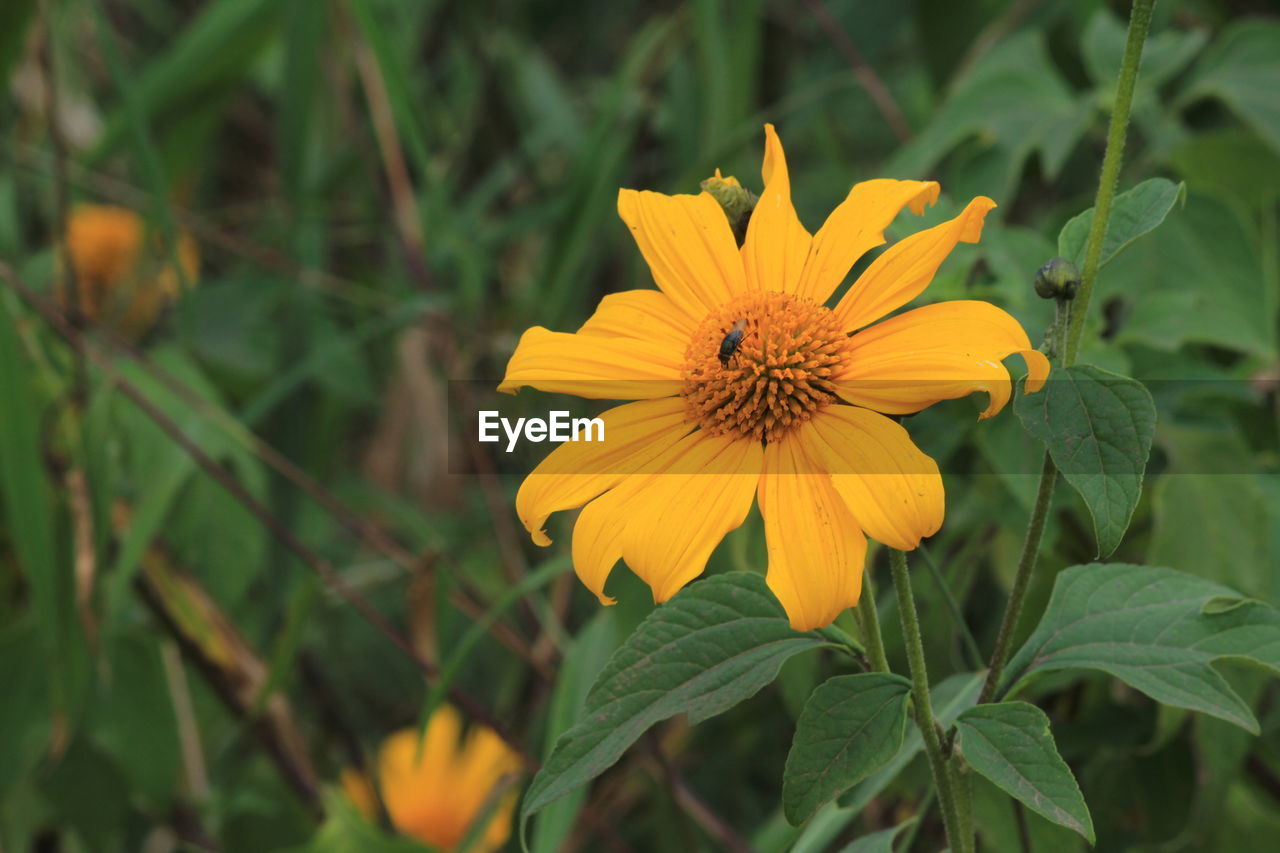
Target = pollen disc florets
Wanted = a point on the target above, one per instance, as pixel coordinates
(780, 373)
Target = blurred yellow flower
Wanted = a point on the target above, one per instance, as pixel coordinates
(750, 387)
(436, 787)
(123, 279)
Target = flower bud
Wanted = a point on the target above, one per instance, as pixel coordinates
(736, 200)
(1057, 279)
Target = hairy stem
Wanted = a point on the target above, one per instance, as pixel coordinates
(957, 840)
(869, 622)
(1139, 23)
(1021, 580)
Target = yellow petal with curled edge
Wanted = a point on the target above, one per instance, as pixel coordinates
(891, 488)
(816, 549)
(577, 471)
(938, 352)
(906, 268)
(856, 226)
(675, 519)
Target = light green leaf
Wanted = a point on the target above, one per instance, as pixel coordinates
(716, 643)
(1098, 427)
(1010, 743)
(1149, 627)
(1242, 69)
(850, 727)
(1133, 213)
(878, 842)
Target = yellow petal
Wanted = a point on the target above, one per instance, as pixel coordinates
(776, 246)
(597, 534)
(577, 471)
(647, 315)
(816, 551)
(678, 517)
(856, 226)
(414, 778)
(597, 537)
(484, 762)
(893, 490)
(938, 352)
(689, 246)
(906, 268)
(594, 366)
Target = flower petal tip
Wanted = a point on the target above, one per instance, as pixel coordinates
(1037, 369)
(927, 197)
(975, 216)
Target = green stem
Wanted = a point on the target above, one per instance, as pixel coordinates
(956, 839)
(869, 621)
(1021, 580)
(964, 798)
(1139, 22)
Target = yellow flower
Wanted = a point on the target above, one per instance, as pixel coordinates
(122, 278)
(794, 417)
(436, 787)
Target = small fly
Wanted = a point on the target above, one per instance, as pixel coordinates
(733, 340)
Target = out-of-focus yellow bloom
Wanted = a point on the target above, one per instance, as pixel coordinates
(434, 789)
(123, 277)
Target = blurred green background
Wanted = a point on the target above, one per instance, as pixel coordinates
(385, 195)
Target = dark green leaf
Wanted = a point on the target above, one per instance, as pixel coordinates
(850, 727)
(713, 645)
(1149, 627)
(1133, 213)
(950, 697)
(1098, 428)
(1010, 743)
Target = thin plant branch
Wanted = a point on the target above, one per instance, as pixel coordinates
(862, 70)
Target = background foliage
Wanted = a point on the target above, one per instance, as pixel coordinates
(386, 194)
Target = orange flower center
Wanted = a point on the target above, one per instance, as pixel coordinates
(762, 364)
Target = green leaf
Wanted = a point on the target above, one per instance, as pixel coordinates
(1010, 743)
(1196, 279)
(716, 643)
(1149, 628)
(1015, 101)
(1242, 69)
(1133, 213)
(582, 664)
(878, 842)
(850, 727)
(950, 697)
(1098, 428)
